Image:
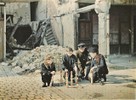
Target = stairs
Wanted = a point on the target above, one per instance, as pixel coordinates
(50, 36)
(43, 32)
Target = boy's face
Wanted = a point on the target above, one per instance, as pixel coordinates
(69, 53)
(92, 54)
(81, 48)
(49, 61)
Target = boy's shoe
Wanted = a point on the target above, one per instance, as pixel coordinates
(74, 81)
(44, 85)
(104, 77)
(101, 82)
(86, 78)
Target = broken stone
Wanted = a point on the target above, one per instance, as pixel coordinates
(31, 60)
(4, 64)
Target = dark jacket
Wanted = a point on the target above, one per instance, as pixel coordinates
(82, 57)
(89, 60)
(100, 62)
(69, 62)
(46, 70)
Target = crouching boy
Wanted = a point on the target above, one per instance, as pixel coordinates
(69, 63)
(47, 70)
(98, 65)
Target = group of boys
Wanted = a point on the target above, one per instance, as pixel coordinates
(74, 65)
(84, 59)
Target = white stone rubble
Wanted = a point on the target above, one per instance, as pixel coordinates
(31, 60)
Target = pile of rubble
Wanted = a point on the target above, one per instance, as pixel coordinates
(30, 61)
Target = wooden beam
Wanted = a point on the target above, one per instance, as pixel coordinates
(21, 1)
(86, 1)
(4, 33)
(2, 3)
(85, 9)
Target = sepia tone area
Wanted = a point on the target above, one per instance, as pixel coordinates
(31, 29)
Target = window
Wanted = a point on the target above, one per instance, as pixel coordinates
(33, 10)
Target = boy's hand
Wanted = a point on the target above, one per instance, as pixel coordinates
(92, 69)
(66, 70)
(53, 72)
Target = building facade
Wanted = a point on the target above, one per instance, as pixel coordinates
(75, 21)
(74, 28)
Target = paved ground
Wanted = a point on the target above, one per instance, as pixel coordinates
(121, 84)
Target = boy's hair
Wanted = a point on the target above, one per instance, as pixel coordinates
(93, 50)
(68, 49)
(48, 57)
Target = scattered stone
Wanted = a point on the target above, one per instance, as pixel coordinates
(31, 60)
(4, 64)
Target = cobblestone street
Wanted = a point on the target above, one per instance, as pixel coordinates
(29, 87)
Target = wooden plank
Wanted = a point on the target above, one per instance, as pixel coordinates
(12, 1)
(1, 40)
(86, 1)
(15, 28)
(85, 9)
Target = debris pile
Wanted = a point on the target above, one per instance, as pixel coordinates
(30, 61)
(44, 35)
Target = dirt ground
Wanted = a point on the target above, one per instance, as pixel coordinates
(121, 84)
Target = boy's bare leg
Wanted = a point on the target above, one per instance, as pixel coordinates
(71, 78)
(61, 79)
(91, 76)
(52, 78)
(76, 78)
(66, 79)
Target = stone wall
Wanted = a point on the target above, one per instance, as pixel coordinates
(17, 10)
(63, 20)
(41, 12)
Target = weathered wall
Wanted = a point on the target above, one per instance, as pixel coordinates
(41, 12)
(63, 21)
(17, 10)
(69, 31)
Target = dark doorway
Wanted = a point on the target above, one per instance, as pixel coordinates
(120, 41)
(33, 7)
(85, 29)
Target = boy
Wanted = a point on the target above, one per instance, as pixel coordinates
(82, 55)
(47, 70)
(98, 65)
(69, 63)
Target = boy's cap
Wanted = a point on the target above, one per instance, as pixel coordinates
(81, 44)
(93, 50)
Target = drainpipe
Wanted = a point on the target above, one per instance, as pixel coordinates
(4, 33)
(4, 30)
(131, 31)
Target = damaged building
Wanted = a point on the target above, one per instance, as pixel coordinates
(69, 22)
(113, 33)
